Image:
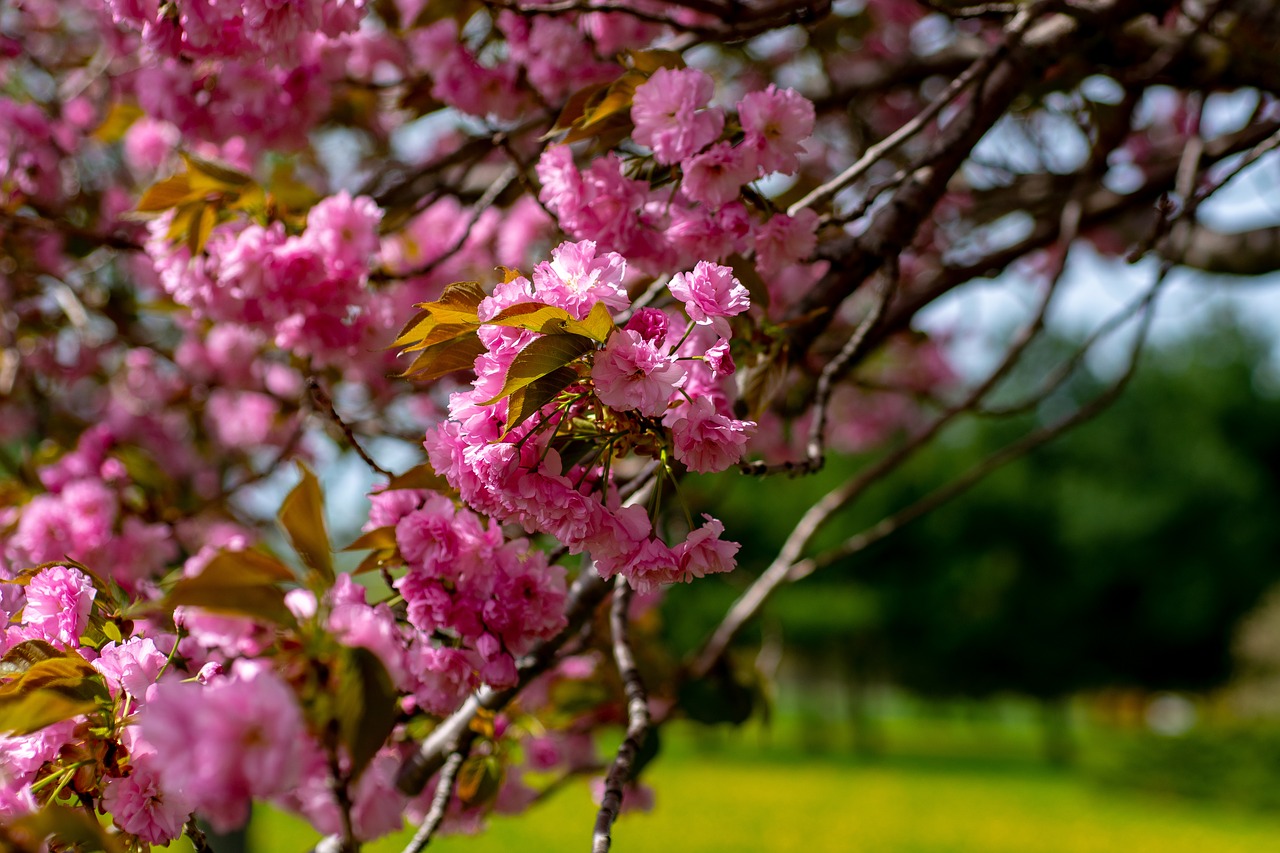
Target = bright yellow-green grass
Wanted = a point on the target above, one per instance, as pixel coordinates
(734, 803)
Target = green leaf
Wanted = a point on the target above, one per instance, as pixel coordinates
(213, 175)
(26, 654)
(240, 583)
(550, 320)
(119, 119)
(420, 477)
(160, 196)
(541, 357)
(366, 704)
(378, 539)
(444, 358)
(649, 61)
(48, 691)
(525, 402)
(302, 517)
(264, 603)
(575, 108)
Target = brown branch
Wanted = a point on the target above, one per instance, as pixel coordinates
(745, 608)
(637, 719)
(444, 792)
(325, 402)
(892, 524)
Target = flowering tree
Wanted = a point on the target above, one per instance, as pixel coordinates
(570, 249)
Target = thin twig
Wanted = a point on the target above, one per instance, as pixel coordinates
(815, 452)
(325, 402)
(892, 524)
(873, 155)
(444, 793)
(816, 517)
(637, 719)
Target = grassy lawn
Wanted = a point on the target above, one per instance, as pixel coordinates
(734, 800)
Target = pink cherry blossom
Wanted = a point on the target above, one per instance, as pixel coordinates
(633, 373)
(707, 441)
(710, 291)
(776, 122)
(669, 115)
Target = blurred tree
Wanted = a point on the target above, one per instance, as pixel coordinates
(1124, 554)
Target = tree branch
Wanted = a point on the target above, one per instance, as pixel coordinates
(637, 719)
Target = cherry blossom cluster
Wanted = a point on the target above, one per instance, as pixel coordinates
(659, 226)
(660, 386)
(307, 291)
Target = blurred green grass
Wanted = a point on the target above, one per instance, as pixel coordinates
(730, 792)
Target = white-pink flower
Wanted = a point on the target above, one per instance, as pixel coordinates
(710, 291)
(633, 373)
(576, 278)
(707, 441)
(669, 115)
(776, 121)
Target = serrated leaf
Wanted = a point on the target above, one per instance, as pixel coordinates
(26, 654)
(480, 779)
(440, 333)
(70, 828)
(166, 194)
(525, 402)
(49, 691)
(366, 704)
(302, 517)
(597, 325)
(378, 539)
(541, 357)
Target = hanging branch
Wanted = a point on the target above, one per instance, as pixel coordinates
(637, 719)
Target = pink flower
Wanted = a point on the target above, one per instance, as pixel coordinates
(710, 291)
(716, 176)
(707, 441)
(776, 121)
(650, 324)
(223, 744)
(576, 278)
(58, 603)
(345, 231)
(785, 240)
(704, 552)
(668, 113)
(133, 666)
(632, 373)
(139, 806)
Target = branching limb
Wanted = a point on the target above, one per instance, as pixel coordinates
(637, 719)
(892, 524)
(816, 517)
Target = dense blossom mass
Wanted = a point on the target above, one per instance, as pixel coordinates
(558, 262)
